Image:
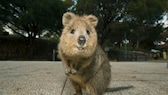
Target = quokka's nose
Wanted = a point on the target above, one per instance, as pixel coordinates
(81, 40)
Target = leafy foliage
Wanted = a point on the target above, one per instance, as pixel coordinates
(146, 11)
(31, 17)
(136, 18)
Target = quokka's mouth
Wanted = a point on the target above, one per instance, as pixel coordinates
(81, 49)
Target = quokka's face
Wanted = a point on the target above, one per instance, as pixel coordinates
(79, 37)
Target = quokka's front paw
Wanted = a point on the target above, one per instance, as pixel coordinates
(73, 71)
(67, 71)
(70, 71)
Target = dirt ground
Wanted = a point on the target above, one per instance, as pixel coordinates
(47, 78)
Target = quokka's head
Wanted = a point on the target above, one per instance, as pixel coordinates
(79, 37)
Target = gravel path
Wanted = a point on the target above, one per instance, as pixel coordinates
(47, 78)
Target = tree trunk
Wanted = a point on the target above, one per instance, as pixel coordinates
(137, 44)
(31, 39)
(30, 46)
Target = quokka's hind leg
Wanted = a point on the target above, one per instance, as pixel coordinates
(93, 91)
(77, 88)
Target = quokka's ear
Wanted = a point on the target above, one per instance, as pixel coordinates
(93, 20)
(67, 17)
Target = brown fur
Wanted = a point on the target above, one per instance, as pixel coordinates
(85, 63)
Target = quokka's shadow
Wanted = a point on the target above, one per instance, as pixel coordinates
(114, 89)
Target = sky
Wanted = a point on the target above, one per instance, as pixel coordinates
(165, 20)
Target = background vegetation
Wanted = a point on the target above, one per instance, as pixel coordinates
(137, 22)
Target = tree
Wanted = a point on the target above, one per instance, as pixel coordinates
(134, 15)
(1, 30)
(31, 17)
(106, 10)
(144, 14)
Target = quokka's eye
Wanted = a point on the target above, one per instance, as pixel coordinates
(88, 32)
(72, 31)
